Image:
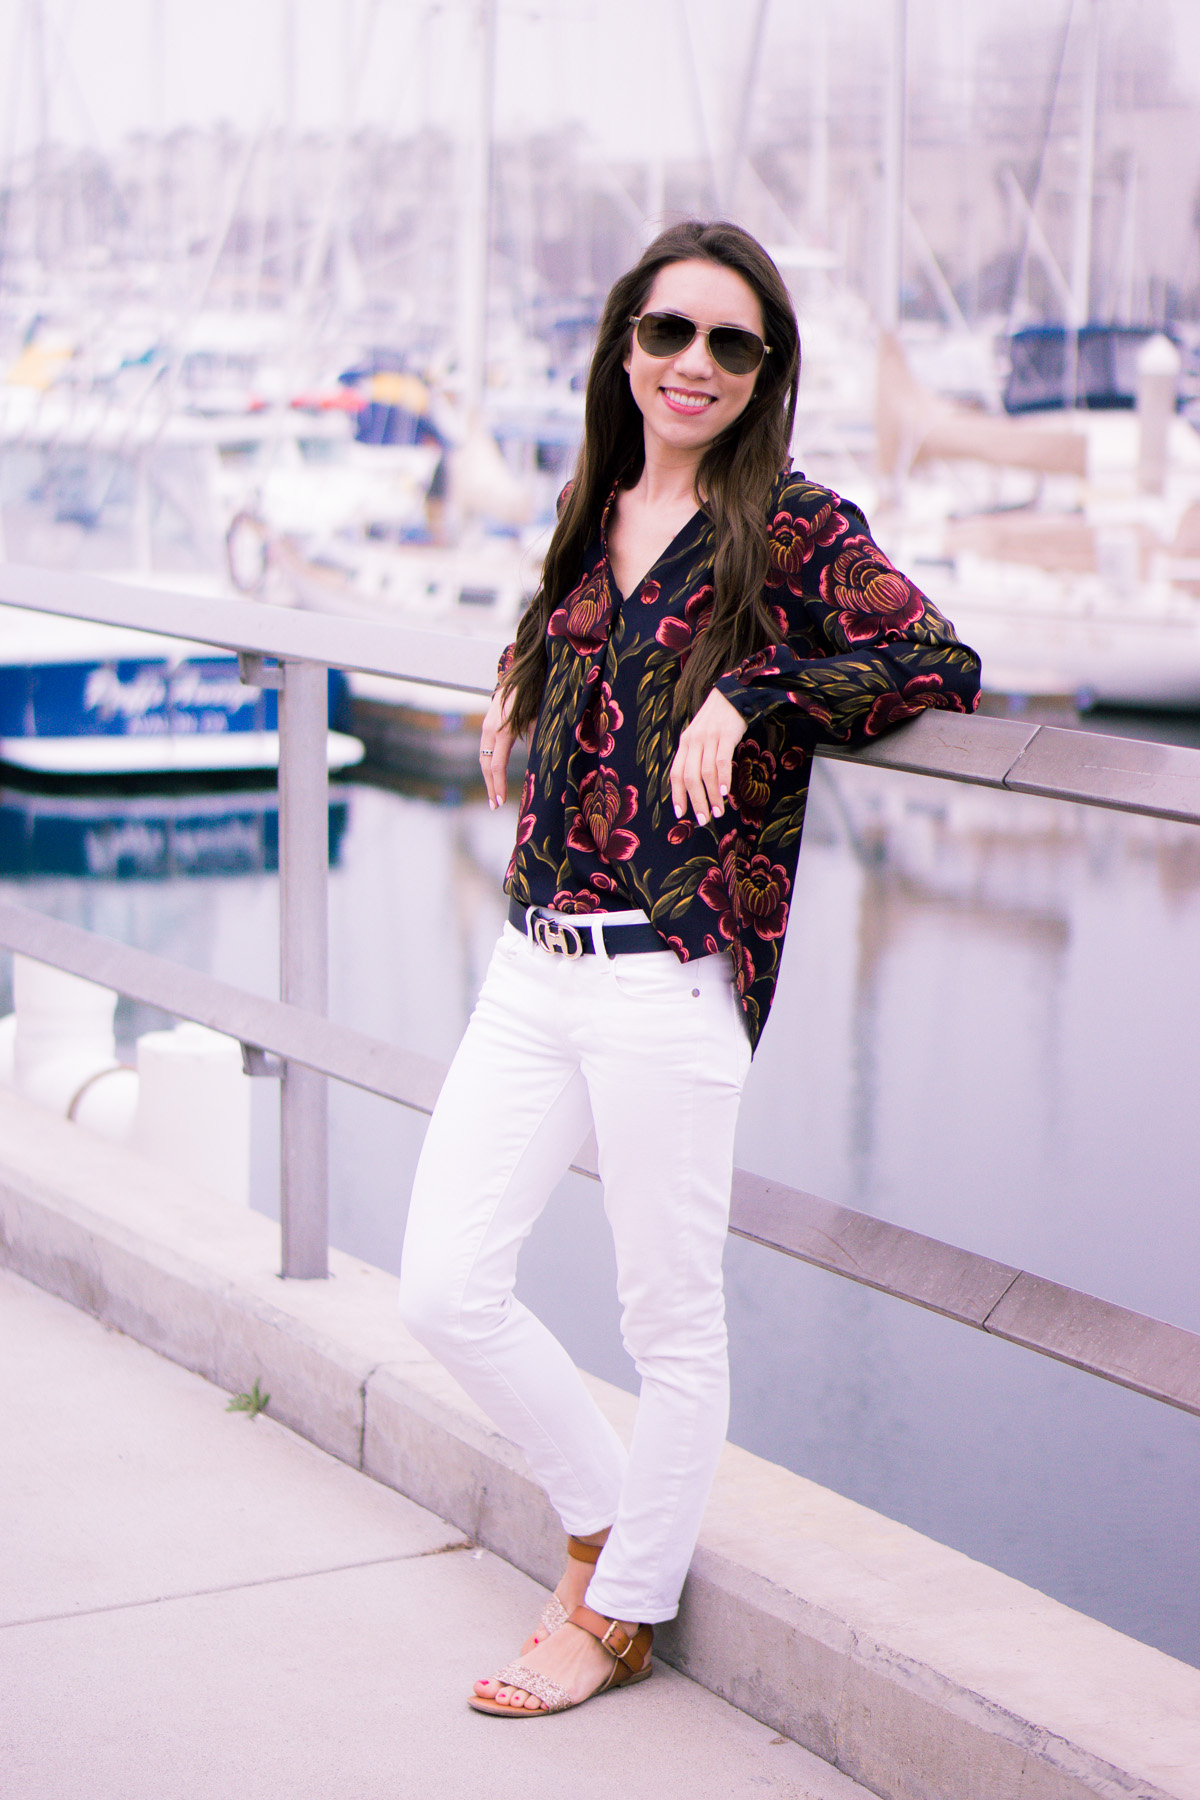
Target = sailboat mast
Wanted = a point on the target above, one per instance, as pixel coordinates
(158, 220)
(288, 61)
(894, 133)
(158, 66)
(475, 211)
(1085, 168)
(740, 139)
(41, 151)
(818, 124)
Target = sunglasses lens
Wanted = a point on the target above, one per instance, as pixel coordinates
(738, 352)
(664, 334)
(668, 334)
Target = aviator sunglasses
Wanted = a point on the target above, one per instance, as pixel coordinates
(736, 351)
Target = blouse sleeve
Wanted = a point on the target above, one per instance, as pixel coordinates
(860, 647)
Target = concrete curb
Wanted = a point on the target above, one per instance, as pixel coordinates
(913, 1670)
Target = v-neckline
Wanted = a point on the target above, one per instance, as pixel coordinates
(661, 557)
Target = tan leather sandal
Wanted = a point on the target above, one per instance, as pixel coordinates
(554, 1613)
(631, 1662)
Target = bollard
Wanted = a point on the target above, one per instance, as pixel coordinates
(303, 961)
(56, 1048)
(193, 1108)
(1157, 380)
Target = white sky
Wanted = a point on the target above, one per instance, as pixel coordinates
(224, 59)
(623, 68)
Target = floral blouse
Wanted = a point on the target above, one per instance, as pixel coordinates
(859, 649)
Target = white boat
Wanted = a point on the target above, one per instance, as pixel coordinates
(1039, 539)
(83, 699)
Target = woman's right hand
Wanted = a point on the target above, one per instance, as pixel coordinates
(495, 746)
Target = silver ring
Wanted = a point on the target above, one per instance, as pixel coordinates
(487, 753)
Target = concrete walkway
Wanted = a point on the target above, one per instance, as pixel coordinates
(195, 1605)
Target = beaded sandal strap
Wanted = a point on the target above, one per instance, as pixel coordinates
(515, 1675)
(554, 1616)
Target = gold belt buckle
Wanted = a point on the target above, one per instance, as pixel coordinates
(556, 938)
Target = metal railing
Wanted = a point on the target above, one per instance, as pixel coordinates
(1162, 781)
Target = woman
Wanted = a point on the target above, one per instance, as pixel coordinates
(705, 617)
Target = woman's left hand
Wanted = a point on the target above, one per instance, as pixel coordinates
(703, 766)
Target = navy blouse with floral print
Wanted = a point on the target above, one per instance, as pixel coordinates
(859, 649)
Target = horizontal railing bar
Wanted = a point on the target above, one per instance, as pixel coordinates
(442, 658)
(956, 746)
(1132, 775)
(298, 1036)
(1159, 1360)
(938, 1276)
(1126, 774)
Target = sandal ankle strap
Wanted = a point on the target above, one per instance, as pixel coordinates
(578, 1551)
(631, 1649)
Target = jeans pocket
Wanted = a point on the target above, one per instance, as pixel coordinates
(656, 976)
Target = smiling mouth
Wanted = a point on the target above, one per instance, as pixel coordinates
(685, 401)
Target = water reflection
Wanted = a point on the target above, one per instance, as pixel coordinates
(144, 837)
(983, 1030)
(1009, 984)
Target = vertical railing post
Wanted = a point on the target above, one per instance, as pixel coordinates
(304, 961)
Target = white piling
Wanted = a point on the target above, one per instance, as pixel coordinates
(58, 1049)
(186, 1106)
(193, 1112)
(1157, 382)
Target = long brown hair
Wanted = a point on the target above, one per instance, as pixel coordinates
(735, 476)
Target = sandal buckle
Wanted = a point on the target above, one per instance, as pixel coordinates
(615, 1625)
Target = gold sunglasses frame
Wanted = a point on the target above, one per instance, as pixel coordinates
(699, 331)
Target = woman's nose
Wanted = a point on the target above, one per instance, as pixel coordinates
(695, 360)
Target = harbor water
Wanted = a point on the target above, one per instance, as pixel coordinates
(985, 1030)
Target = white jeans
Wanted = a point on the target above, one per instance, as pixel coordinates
(655, 1053)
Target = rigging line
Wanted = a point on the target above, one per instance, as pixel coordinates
(322, 232)
(1037, 241)
(738, 146)
(166, 380)
(698, 108)
(61, 34)
(319, 244)
(1031, 201)
(58, 35)
(409, 66)
(10, 152)
(771, 201)
(934, 273)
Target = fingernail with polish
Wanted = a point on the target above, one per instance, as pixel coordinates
(724, 792)
(679, 812)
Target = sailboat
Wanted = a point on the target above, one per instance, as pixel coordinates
(1062, 534)
(1065, 546)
